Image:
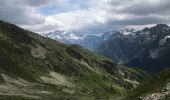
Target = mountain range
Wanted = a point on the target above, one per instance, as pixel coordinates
(34, 67)
(86, 40)
(136, 48)
(147, 49)
(89, 41)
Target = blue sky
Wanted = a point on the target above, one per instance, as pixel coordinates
(84, 16)
(55, 8)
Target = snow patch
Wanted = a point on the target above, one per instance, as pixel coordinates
(167, 37)
(63, 35)
(74, 37)
(163, 41)
(154, 53)
(127, 33)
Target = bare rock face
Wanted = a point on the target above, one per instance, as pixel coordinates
(38, 52)
(18, 87)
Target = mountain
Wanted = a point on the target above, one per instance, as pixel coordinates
(67, 37)
(120, 46)
(35, 67)
(89, 41)
(156, 88)
(147, 49)
(155, 50)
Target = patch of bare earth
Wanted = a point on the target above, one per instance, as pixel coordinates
(56, 79)
(158, 95)
(87, 66)
(19, 87)
(38, 51)
(68, 90)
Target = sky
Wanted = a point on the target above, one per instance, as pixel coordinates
(84, 16)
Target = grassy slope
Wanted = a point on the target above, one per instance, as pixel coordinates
(94, 76)
(155, 85)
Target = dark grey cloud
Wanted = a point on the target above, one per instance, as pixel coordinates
(140, 20)
(36, 2)
(122, 24)
(145, 8)
(95, 16)
(135, 12)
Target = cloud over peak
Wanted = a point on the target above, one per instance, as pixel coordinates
(80, 15)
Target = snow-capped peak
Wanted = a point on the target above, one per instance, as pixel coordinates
(72, 36)
(129, 31)
(63, 35)
(126, 33)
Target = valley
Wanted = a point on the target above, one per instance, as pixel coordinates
(35, 67)
(84, 49)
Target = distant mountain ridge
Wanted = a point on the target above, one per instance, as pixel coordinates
(121, 45)
(147, 49)
(137, 48)
(63, 36)
(69, 37)
(89, 41)
(154, 54)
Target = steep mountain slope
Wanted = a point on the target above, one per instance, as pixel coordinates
(157, 88)
(120, 46)
(154, 53)
(147, 49)
(35, 67)
(89, 41)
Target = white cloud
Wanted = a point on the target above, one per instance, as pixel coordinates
(72, 20)
(86, 15)
(16, 12)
